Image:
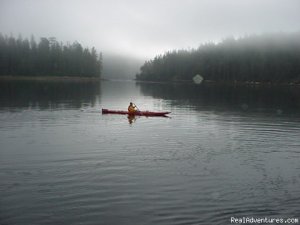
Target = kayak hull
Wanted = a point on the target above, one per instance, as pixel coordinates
(137, 113)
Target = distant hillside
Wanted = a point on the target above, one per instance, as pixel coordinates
(120, 67)
(265, 58)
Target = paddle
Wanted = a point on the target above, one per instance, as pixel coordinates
(136, 107)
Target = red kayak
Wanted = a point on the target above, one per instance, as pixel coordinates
(137, 113)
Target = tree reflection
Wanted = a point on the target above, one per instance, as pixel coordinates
(48, 94)
(227, 98)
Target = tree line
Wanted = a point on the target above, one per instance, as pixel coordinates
(48, 57)
(256, 58)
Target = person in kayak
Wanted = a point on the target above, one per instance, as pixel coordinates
(132, 108)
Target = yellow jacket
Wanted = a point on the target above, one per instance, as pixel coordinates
(131, 109)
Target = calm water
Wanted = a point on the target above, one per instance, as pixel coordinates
(224, 152)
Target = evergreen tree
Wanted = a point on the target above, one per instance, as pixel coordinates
(21, 57)
(265, 58)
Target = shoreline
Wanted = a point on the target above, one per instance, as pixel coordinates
(97, 79)
(51, 78)
(223, 83)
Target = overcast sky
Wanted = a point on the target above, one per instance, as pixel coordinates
(146, 28)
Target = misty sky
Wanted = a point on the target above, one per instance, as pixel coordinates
(146, 28)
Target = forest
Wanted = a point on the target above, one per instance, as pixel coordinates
(48, 57)
(267, 58)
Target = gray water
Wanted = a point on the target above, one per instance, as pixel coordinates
(224, 152)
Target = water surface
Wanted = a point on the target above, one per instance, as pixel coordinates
(224, 152)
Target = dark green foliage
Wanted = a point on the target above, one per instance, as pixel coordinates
(265, 58)
(21, 57)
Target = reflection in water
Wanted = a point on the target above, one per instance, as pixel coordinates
(228, 98)
(131, 119)
(117, 94)
(48, 94)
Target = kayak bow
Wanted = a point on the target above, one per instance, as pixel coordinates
(137, 113)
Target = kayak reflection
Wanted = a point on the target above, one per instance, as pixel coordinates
(131, 119)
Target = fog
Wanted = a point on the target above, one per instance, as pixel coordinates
(143, 29)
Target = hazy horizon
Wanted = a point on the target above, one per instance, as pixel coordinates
(141, 29)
